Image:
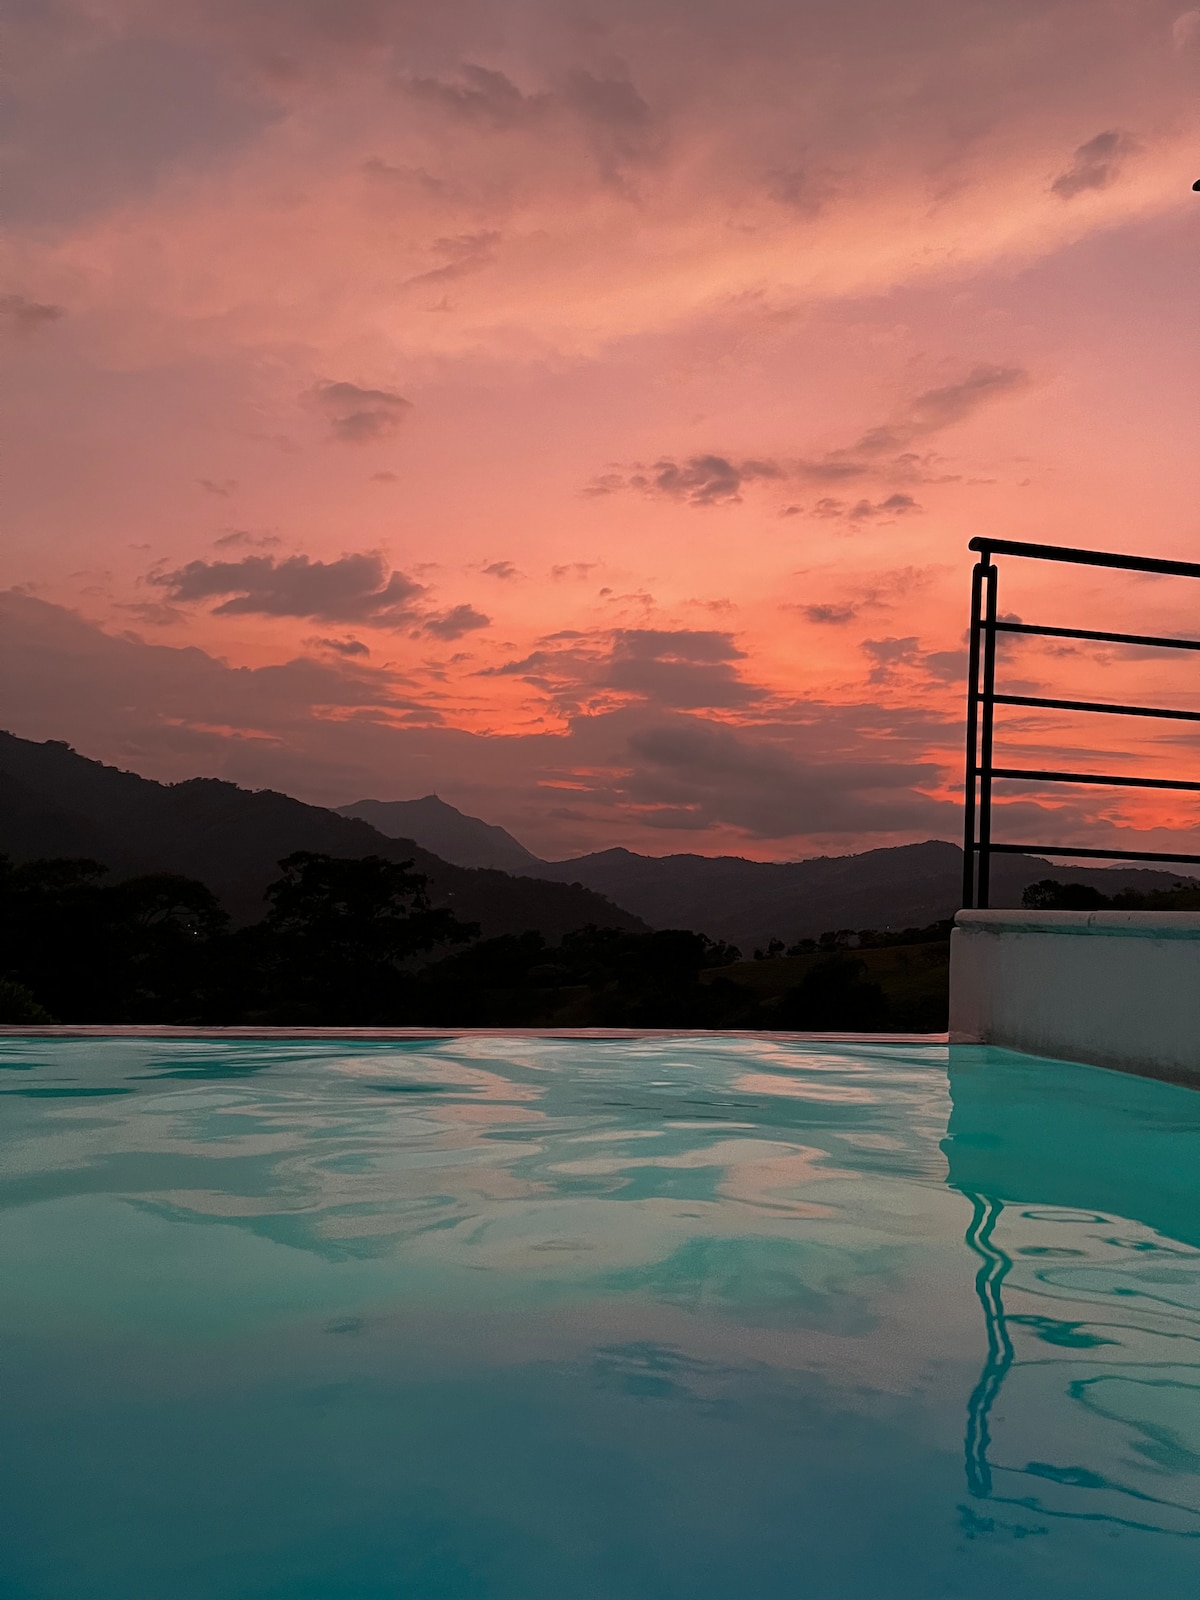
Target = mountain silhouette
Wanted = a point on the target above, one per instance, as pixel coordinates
(55, 802)
(449, 833)
(749, 902)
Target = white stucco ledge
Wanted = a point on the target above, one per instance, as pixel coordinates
(1112, 988)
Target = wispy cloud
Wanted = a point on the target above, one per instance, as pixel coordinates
(829, 508)
(1094, 165)
(27, 316)
(830, 614)
(459, 256)
(703, 480)
(885, 450)
(347, 648)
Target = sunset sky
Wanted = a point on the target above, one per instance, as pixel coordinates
(581, 410)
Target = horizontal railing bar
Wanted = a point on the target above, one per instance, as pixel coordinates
(1098, 855)
(1094, 633)
(1093, 705)
(1086, 558)
(1092, 777)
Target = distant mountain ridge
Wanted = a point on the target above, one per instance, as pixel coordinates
(749, 902)
(55, 802)
(449, 833)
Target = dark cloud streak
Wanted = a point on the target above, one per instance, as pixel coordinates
(456, 622)
(355, 588)
(714, 479)
(686, 669)
(27, 316)
(1094, 165)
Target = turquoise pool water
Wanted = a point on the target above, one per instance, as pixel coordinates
(642, 1320)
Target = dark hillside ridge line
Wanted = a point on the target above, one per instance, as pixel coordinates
(449, 833)
(55, 802)
(749, 902)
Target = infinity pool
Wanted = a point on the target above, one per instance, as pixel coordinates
(662, 1319)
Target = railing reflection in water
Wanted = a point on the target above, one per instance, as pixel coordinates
(1085, 1224)
(1087, 1405)
(1146, 1432)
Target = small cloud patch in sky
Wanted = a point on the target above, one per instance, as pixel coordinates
(235, 538)
(460, 255)
(801, 190)
(609, 111)
(888, 654)
(360, 416)
(829, 614)
(341, 647)
(27, 316)
(896, 505)
(946, 666)
(829, 508)
(454, 623)
(702, 480)
(1094, 165)
(481, 95)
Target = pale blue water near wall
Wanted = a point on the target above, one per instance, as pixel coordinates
(512, 1319)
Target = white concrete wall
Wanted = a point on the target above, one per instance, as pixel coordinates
(1116, 988)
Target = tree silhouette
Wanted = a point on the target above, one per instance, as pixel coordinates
(339, 935)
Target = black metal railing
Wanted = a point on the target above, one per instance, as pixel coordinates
(982, 700)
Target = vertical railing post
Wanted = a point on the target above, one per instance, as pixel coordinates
(971, 770)
(987, 723)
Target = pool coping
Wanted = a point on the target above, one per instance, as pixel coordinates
(133, 1031)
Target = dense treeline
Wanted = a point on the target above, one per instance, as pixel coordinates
(1050, 895)
(356, 942)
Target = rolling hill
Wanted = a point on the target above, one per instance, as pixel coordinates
(55, 802)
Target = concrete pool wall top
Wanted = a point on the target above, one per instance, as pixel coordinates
(1111, 988)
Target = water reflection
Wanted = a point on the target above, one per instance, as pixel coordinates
(661, 1319)
(1087, 1406)
(993, 1268)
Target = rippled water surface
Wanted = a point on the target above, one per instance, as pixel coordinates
(527, 1319)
